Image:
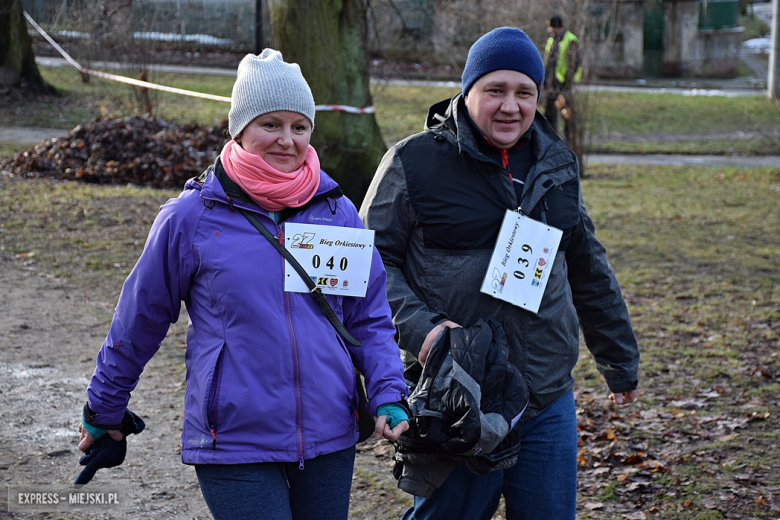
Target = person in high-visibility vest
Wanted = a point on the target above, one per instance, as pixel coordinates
(562, 70)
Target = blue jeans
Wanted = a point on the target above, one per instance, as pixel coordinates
(542, 485)
(279, 490)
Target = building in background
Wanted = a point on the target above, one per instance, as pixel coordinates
(671, 38)
(626, 38)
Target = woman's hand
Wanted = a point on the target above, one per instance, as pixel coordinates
(86, 440)
(382, 429)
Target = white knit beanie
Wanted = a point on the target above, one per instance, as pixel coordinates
(266, 83)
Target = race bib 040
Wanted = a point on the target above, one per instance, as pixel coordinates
(522, 261)
(338, 259)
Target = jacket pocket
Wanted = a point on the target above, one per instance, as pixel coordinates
(212, 400)
(354, 400)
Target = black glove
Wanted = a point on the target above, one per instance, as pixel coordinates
(106, 452)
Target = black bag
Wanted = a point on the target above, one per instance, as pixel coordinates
(364, 420)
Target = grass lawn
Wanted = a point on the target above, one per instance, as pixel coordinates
(644, 113)
(7, 149)
(624, 122)
(401, 110)
(83, 102)
(695, 250)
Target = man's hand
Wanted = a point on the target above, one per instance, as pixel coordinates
(624, 397)
(428, 343)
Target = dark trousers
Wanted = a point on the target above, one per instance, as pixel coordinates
(551, 113)
(279, 490)
(541, 486)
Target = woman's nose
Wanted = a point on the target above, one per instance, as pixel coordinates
(285, 137)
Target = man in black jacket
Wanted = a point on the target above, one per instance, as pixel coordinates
(437, 203)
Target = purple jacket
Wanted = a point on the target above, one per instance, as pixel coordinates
(268, 377)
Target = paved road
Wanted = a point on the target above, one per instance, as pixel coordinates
(103, 65)
(685, 160)
(763, 11)
(29, 135)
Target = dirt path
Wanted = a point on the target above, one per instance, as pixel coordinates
(31, 136)
(49, 335)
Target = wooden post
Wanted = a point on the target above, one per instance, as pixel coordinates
(773, 90)
(259, 43)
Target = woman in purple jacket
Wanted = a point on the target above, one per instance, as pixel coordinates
(270, 404)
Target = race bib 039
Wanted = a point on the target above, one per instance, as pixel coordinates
(522, 261)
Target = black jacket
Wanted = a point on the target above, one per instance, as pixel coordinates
(465, 407)
(436, 205)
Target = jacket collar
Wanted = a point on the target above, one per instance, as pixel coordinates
(215, 185)
(446, 118)
(553, 159)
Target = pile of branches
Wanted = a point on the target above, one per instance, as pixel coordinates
(140, 150)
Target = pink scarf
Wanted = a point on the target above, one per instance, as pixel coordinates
(271, 189)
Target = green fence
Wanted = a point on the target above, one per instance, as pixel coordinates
(653, 42)
(718, 14)
(225, 19)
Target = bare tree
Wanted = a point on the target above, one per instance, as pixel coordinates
(459, 23)
(17, 60)
(328, 41)
(107, 24)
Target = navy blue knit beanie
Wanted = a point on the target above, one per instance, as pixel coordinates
(504, 48)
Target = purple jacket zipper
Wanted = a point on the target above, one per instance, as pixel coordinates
(211, 409)
(296, 372)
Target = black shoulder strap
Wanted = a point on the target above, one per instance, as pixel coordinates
(236, 192)
(313, 289)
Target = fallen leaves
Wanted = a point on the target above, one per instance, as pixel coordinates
(642, 460)
(142, 150)
(592, 505)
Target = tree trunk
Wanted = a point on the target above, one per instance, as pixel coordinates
(327, 38)
(17, 61)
